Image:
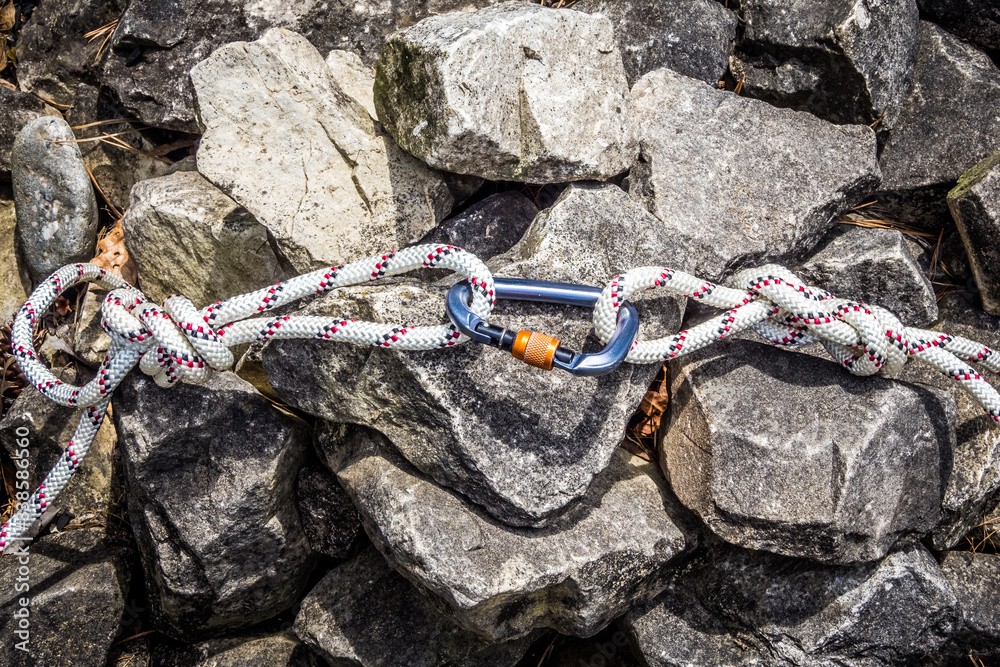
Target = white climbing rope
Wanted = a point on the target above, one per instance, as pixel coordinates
(179, 343)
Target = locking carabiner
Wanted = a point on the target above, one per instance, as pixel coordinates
(537, 349)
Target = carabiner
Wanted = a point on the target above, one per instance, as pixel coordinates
(537, 349)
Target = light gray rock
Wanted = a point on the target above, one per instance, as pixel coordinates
(735, 608)
(975, 207)
(874, 266)
(692, 37)
(738, 182)
(329, 519)
(278, 649)
(335, 190)
(789, 453)
(514, 92)
(949, 122)
(489, 227)
(210, 472)
(575, 576)
(364, 614)
(186, 237)
(90, 342)
(15, 284)
(974, 578)
(76, 585)
(847, 62)
(53, 198)
(522, 443)
(977, 21)
(352, 76)
(17, 109)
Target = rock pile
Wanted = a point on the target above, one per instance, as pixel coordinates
(329, 504)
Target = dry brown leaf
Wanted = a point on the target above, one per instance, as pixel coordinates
(640, 437)
(114, 257)
(7, 84)
(7, 17)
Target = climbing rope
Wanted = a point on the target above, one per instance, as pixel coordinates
(178, 343)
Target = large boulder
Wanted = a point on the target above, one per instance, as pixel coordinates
(738, 182)
(17, 109)
(975, 207)
(488, 227)
(337, 188)
(329, 519)
(844, 61)
(977, 21)
(949, 122)
(522, 443)
(210, 472)
(974, 577)
(514, 92)
(789, 453)
(575, 576)
(274, 649)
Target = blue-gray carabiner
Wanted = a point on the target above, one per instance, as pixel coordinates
(539, 349)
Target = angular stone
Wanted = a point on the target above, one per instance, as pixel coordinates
(90, 342)
(736, 608)
(523, 444)
(691, 37)
(512, 92)
(17, 109)
(337, 189)
(329, 519)
(53, 197)
(575, 576)
(974, 577)
(186, 237)
(874, 266)
(15, 285)
(78, 584)
(738, 182)
(279, 649)
(354, 78)
(844, 61)
(977, 21)
(975, 207)
(949, 122)
(210, 472)
(789, 453)
(339, 614)
(489, 227)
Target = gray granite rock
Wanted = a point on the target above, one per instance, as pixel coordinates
(337, 189)
(63, 598)
(789, 453)
(975, 207)
(949, 122)
(735, 608)
(15, 284)
(489, 227)
(90, 342)
(523, 443)
(692, 37)
(17, 109)
(210, 472)
(186, 237)
(514, 92)
(277, 649)
(738, 182)
(364, 614)
(974, 578)
(53, 198)
(977, 21)
(329, 519)
(847, 62)
(575, 576)
(874, 266)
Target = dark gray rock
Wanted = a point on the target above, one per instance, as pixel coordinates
(975, 207)
(278, 649)
(738, 182)
(977, 21)
(523, 443)
(692, 37)
(514, 92)
(17, 109)
(364, 614)
(847, 62)
(974, 578)
(329, 519)
(789, 453)
(735, 608)
(575, 576)
(949, 122)
(73, 588)
(874, 266)
(53, 198)
(210, 472)
(487, 228)
(151, 24)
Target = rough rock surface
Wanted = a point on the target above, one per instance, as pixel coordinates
(78, 584)
(789, 453)
(949, 122)
(576, 575)
(54, 200)
(90, 342)
(738, 182)
(352, 76)
(210, 472)
(364, 614)
(337, 189)
(187, 237)
(329, 519)
(14, 281)
(874, 266)
(974, 578)
(975, 207)
(512, 92)
(845, 61)
(279, 649)
(522, 443)
(692, 37)
(977, 21)
(489, 227)
(737, 609)
(17, 109)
